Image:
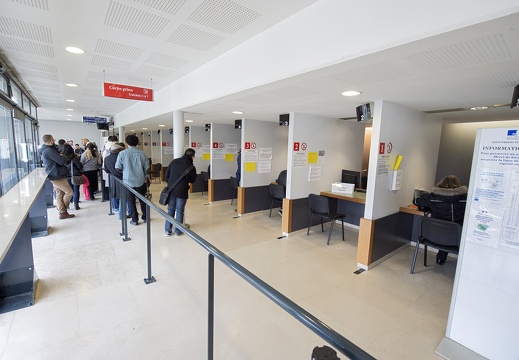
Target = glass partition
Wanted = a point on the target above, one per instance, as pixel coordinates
(8, 173)
(21, 148)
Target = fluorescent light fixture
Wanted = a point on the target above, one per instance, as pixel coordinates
(144, 128)
(70, 100)
(70, 109)
(189, 121)
(237, 112)
(74, 50)
(132, 130)
(162, 125)
(72, 85)
(69, 115)
(479, 108)
(351, 93)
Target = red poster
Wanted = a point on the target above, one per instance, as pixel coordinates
(215, 145)
(247, 145)
(382, 148)
(127, 92)
(193, 144)
(296, 146)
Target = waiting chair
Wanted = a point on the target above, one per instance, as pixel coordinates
(155, 173)
(319, 206)
(277, 192)
(205, 180)
(440, 234)
(234, 188)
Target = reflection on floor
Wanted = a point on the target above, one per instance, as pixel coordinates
(92, 302)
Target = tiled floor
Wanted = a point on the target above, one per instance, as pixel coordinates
(92, 302)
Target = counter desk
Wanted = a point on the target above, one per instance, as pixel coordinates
(23, 214)
(351, 205)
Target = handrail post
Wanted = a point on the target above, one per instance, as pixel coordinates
(210, 312)
(124, 223)
(150, 279)
(110, 211)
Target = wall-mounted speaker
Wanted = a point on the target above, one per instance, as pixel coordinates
(283, 119)
(237, 124)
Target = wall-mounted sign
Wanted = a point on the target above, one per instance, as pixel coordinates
(296, 146)
(127, 92)
(95, 119)
(215, 145)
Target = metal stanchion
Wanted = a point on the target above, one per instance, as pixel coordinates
(210, 312)
(150, 279)
(124, 224)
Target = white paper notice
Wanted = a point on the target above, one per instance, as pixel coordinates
(250, 155)
(299, 159)
(218, 154)
(264, 166)
(206, 149)
(265, 154)
(231, 148)
(314, 173)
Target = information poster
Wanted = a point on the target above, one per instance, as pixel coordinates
(299, 159)
(265, 154)
(219, 154)
(231, 148)
(494, 211)
(250, 155)
(264, 166)
(314, 173)
(312, 157)
(250, 167)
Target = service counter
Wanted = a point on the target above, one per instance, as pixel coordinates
(351, 205)
(23, 214)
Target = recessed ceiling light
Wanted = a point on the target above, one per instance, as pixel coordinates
(162, 125)
(479, 108)
(72, 85)
(74, 50)
(132, 130)
(237, 112)
(70, 109)
(70, 100)
(144, 128)
(351, 93)
(69, 115)
(189, 121)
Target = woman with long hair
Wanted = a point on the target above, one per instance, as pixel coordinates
(77, 170)
(91, 159)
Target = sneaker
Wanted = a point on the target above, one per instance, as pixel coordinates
(167, 233)
(66, 215)
(280, 212)
(143, 218)
(134, 223)
(179, 234)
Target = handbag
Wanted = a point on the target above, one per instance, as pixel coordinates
(74, 179)
(164, 195)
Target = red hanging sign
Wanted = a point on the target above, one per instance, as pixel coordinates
(127, 92)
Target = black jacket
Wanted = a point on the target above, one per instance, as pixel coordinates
(77, 166)
(55, 164)
(173, 172)
(446, 204)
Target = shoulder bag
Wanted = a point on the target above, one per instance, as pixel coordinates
(76, 180)
(164, 195)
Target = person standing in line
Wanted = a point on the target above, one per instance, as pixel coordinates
(112, 139)
(57, 170)
(179, 194)
(134, 165)
(109, 168)
(91, 162)
(77, 167)
(77, 150)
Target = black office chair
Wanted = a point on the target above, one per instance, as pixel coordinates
(282, 179)
(205, 180)
(155, 173)
(234, 188)
(277, 193)
(440, 234)
(319, 206)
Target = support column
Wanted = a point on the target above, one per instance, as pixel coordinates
(121, 134)
(178, 133)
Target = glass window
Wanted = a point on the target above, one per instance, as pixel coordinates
(26, 104)
(17, 93)
(22, 151)
(8, 173)
(31, 144)
(3, 85)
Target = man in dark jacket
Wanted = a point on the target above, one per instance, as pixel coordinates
(179, 194)
(109, 167)
(57, 171)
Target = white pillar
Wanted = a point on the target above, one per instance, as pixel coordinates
(178, 133)
(121, 134)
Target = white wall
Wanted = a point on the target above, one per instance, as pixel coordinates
(71, 130)
(227, 135)
(342, 141)
(265, 135)
(413, 135)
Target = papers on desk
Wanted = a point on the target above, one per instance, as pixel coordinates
(342, 188)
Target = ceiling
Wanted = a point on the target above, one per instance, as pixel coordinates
(152, 43)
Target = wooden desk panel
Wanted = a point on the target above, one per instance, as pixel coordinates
(355, 197)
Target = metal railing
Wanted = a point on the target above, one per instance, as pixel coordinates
(326, 333)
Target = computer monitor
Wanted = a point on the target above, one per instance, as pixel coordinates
(351, 177)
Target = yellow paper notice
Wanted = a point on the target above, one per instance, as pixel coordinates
(397, 162)
(229, 157)
(206, 156)
(312, 157)
(250, 166)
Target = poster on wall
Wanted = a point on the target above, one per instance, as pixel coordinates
(299, 159)
(494, 211)
(250, 155)
(264, 166)
(265, 154)
(231, 148)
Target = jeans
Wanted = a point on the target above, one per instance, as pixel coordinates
(131, 202)
(75, 189)
(176, 209)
